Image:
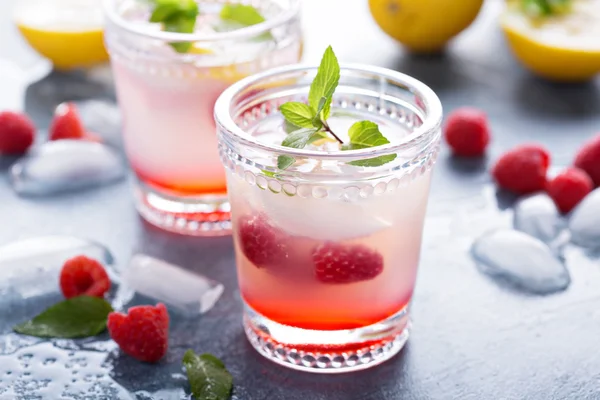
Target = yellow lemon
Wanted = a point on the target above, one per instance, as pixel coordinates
(563, 48)
(67, 32)
(424, 25)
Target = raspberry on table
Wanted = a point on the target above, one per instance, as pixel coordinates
(17, 132)
(83, 276)
(467, 132)
(66, 123)
(262, 244)
(142, 333)
(523, 169)
(588, 159)
(338, 263)
(569, 187)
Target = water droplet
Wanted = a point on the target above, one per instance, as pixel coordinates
(521, 260)
(66, 165)
(584, 223)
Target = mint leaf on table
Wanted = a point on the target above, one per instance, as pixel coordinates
(366, 134)
(78, 317)
(208, 377)
(177, 16)
(325, 83)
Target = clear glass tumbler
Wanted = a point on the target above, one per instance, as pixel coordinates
(327, 252)
(167, 101)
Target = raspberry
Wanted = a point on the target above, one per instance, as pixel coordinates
(467, 132)
(523, 169)
(336, 263)
(569, 187)
(17, 133)
(262, 244)
(588, 159)
(143, 333)
(66, 123)
(83, 276)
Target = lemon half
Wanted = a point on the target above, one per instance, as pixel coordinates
(564, 48)
(67, 32)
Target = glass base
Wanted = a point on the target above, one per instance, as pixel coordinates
(207, 215)
(327, 351)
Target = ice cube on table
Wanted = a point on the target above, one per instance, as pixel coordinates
(584, 223)
(102, 118)
(186, 291)
(538, 216)
(521, 260)
(66, 165)
(31, 267)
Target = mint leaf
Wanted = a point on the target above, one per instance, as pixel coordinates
(242, 14)
(325, 83)
(284, 162)
(545, 8)
(208, 377)
(78, 317)
(299, 139)
(366, 134)
(298, 114)
(177, 16)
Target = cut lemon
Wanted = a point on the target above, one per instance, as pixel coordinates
(564, 48)
(67, 32)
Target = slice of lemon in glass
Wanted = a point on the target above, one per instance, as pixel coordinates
(562, 47)
(67, 32)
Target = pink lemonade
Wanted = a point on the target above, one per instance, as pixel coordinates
(327, 247)
(167, 101)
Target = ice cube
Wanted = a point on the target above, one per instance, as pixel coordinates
(186, 291)
(31, 267)
(521, 260)
(101, 117)
(584, 223)
(538, 216)
(66, 165)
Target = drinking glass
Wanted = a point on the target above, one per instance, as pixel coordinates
(167, 101)
(327, 250)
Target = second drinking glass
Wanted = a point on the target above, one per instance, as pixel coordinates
(167, 84)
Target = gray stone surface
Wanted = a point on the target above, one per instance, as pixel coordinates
(472, 339)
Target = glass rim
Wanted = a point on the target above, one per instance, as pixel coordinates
(431, 122)
(109, 7)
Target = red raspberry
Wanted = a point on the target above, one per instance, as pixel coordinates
(337, 263)
(262, 244)
(17, 132)
(569, 187)
(523, 169)
(467, 132)
(66, 123)
(143, 333)
(83, 276)
(588, 159)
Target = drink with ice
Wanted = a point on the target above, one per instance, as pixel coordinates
(167, 83)
(327, 235)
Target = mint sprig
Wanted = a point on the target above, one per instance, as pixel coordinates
(78, 317)
(244, 15)
(177, 16)
(311, 119)
(545, 8)
(208, 377)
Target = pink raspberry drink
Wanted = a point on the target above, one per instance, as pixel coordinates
(327, 247)
(167, 83)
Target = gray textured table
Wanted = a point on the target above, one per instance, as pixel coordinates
(472, 338)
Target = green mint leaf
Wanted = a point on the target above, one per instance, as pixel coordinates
(298, 114)
(242, 14)
(78, 317)
(363, 135)
(163, 11)
(299, 139)
(268, 173)
(284, 162)
(177, 16)
(208, 377)
(317, 123)
(289, 127)
(536, 8)
(325, 83)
